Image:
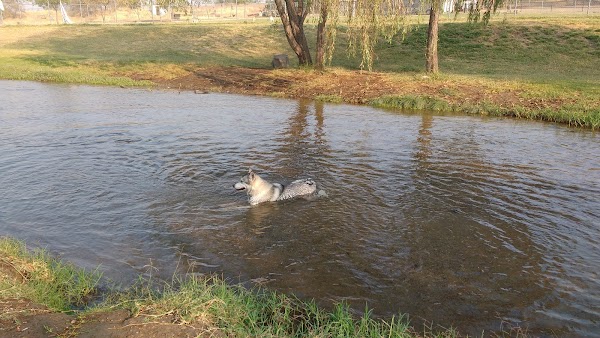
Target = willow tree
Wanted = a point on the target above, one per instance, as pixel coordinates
(371, 21)
(368, 22)
(481, 11)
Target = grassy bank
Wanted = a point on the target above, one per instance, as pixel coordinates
(206, 305)
(544, 68)
(37, 276)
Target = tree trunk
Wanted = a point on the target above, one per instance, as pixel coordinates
(320, 56)
(292, 18)
(431, 63)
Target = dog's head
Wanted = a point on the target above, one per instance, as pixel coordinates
(246, 181)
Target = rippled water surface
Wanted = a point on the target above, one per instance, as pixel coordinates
(471, 222)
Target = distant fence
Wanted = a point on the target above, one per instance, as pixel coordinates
(573, 6)
(82, 11)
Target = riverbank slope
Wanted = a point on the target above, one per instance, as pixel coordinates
(41, 296)
(543, 68)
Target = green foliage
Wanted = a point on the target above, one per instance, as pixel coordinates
(370, 22)
(482, 10)
(563, 55)
(543, 59)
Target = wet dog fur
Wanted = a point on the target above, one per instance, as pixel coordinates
(259, 190)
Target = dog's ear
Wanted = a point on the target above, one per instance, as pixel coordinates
(251, 174)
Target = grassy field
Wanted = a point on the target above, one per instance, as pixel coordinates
(544, 67)
(207, 305)
(69, 54)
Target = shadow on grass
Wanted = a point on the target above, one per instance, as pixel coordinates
(242, 45)
(520, 51)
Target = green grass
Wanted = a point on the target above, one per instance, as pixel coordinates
(209, 301)
(42, 278)
(576, 115)
(412, 102)
(528, 50)
(102, 54)
(561, 56)
(237, 311)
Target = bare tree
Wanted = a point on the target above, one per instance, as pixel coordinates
(50, 4)
(135, 5)
(10, 9)
(431, 55)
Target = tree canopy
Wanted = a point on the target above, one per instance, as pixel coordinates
(368, 22)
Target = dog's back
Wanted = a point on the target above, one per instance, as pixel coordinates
(298, 188)
(260, 190)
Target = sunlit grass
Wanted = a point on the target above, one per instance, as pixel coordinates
(573, 115)
(239, 312)
(109, 54)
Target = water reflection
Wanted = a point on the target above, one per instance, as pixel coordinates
(461, 262)
(464, 221)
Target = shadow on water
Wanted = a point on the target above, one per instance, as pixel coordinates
(458, 220)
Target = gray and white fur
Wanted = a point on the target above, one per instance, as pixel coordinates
(260, 190)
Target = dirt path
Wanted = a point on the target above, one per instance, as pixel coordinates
(23, 318)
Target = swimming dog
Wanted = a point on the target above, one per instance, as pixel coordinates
(259, 190)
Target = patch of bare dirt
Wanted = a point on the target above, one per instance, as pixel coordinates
(23, 318)
(350, 86)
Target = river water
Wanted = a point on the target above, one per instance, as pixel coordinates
(471, 222)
